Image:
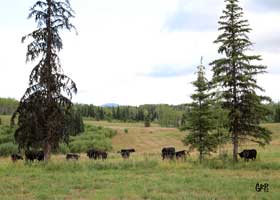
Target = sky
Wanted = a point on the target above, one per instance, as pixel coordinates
(134, 52)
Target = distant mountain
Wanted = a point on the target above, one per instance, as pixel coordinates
(110, 105)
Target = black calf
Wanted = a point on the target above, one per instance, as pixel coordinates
(181, 154)
(91, 153)
(16, 157)
(168, 152)
(104, 155)
(40, 155)
(125, 153)
(72, 156)
(96, 154)
(34, 155)
(128, 150)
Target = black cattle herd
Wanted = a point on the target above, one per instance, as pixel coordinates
(166, 153)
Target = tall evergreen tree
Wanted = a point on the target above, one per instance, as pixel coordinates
(277, 113)
(200, 121)
(220, 122)
(74, 123)
(44, 106)
(147, 119)
(235, 74)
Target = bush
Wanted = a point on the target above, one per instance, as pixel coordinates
(63, 148)
(93, 137)
(126, 130)
(6, 139)
(147, 123)
(79, 146)
(6, 149)
(6, 134)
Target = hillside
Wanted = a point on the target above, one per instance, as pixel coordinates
(152, 139)
(144, 140)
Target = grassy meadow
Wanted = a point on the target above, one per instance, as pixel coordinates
(144, 175)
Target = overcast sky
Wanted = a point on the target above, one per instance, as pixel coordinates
(135, 52)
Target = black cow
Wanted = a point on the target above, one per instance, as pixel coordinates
(104, 155)
(181, 154)
(97, 154)
(72, 156)
(92, 153)
(126, 152)
(248, 154)
(16, 157)
(34, 155)
(168, 152)
(40, 155)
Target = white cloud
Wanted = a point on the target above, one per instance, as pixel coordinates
(120, 40)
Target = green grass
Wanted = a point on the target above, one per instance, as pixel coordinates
(138, 178)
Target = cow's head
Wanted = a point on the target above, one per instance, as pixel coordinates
(131, 150)
(241, 154)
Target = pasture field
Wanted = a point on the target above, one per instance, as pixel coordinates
(144, 140)
(140, 177)
(144, 175)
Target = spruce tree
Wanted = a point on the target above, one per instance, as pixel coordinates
(44, 107)
(220, 122)
(277, 113)
(147, 120)
(200, 118)
(235, 73)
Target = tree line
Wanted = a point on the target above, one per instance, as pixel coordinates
(164, 114)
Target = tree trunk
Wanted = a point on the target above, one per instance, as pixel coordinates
(200, 156)
(47, 151)
(235, 147)
(47, 146)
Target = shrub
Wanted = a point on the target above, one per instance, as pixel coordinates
(63, 148)
(6, 134)
(79, 146)
(93, 137)
(126, 130)
(7, 149)
(147, 123)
